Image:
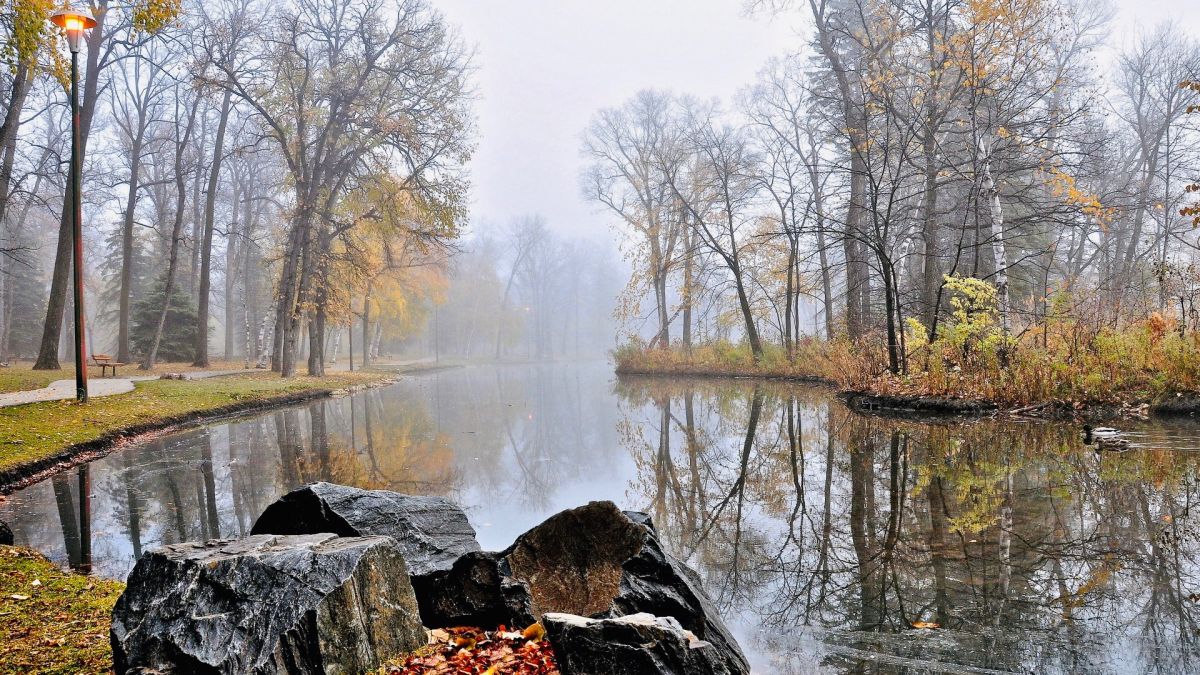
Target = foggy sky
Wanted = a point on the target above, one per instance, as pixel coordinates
(545, 66)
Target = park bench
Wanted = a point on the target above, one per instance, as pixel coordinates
(105, 362)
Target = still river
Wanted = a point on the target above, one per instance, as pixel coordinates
(832, 542)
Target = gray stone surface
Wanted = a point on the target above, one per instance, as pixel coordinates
(267, 604)
(638, 644)
(476, 591)
(598, 561)
(593, 561)
(432, 532)
(655, 582)
(572, 562)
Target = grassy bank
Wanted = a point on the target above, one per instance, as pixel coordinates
(52, 621)
(38, 432)
(813, 360)
(20, 375)
(1067, 365)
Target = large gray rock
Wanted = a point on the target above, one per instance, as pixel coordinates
(638, 644)
(592, 561)
(476, 591)
(267, 604)
(432, 531)
(657, 583)
(599, 562)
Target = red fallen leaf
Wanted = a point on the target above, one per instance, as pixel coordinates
(471, 651)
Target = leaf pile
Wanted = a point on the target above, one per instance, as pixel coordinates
(472, 651)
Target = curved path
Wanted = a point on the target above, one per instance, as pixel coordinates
(61, 390)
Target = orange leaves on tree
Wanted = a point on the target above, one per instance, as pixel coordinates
(1193, 210)
(1064, 186)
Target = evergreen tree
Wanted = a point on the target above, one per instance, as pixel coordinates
(27, 293)
(178, 331)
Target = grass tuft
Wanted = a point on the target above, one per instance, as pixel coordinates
(52, 621)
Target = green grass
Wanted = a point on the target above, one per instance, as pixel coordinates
(20, 375)
(39, 430)
(58, 625)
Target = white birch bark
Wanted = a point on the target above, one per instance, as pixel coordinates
(337, 343)
(991, 193)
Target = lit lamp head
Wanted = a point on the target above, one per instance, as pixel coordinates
(73, 22)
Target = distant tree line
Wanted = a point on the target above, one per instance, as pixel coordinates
(908, 144)
(521, 291)
(275, 170)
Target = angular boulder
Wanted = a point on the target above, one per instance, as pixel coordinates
(432, 532)
(573, 562)
(630, 645)
(600, 562)
(475, 591)
(655, 582)
(593, 561)
(267, 604)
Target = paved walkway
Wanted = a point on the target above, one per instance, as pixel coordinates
(61, 390)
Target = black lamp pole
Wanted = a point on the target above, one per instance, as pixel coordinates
(81, 373)
(74, 23)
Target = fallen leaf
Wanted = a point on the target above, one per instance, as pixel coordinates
(534, 632)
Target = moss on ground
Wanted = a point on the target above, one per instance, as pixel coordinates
(52, 621)
(33, 432)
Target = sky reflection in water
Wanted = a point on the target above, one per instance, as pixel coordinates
(823, 535)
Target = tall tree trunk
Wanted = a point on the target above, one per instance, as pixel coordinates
(991, 193)
(210, 206)
(930, 278)
(826, 280)
(22, 81)
(891, 305)
(197, 210)
(366, 329)
(747, 313)
(316, 330)
(293, 325)
(687, 289)
(52, 327)
(124, 354)
(788, 302)
(176, 237)
(233, 252)
(287, 306)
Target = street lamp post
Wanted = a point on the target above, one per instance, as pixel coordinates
(74, 22)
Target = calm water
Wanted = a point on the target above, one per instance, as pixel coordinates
(824, 536)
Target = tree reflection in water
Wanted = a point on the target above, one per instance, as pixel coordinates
(509, 446)
(837, 533)
(824, 536)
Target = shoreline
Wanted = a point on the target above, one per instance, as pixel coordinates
(22, 475)
(939, 407)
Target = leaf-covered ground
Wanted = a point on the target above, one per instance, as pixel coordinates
(52, 621)
(472, 651)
